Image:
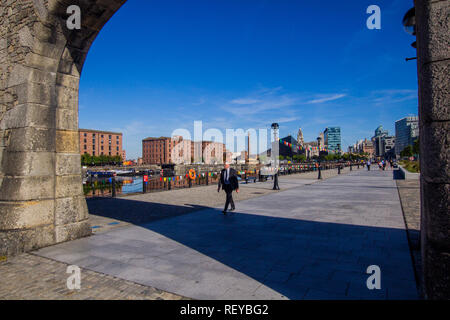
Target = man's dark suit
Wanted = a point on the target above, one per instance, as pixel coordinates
(229, 183)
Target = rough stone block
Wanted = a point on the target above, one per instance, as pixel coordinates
(28, 115)
(66, 119)
(434, 92)
(32, 139)
(37, 93)
(435, 155)
(26, 214)
(49, 50)
(26, 39)
(66, 98)
(68, 81)
(72, 231)
(436, 269)
(27, 188)
(67, 141)
(28, 163)
(22, 74)
(44, 63)
(68, 164)
(436, 216)
(69, 186)
(15, 242)
(70, 210)
(432, 37)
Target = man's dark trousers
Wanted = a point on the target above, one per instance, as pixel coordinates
(229, 191)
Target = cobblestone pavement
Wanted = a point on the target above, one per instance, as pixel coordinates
(30, 277)
(409, 192)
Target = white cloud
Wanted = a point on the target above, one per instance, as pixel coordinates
(327, 98)
(392, 96)
(244, 101)
(262, 101)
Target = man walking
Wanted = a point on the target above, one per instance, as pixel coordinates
(229, 182)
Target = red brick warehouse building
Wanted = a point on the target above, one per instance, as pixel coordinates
(96, 142)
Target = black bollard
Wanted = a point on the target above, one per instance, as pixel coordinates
(319, 177)
(207, 178)
(275, 182)
(169, 185)
(339, 169)
(190, 182)
(113, 187)
(144, 187)
(351, 167)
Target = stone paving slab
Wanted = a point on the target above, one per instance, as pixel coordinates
(312, 241)
(107, 214)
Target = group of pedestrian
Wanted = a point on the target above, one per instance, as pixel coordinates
(381, 164)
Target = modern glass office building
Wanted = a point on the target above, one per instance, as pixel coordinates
(333, 139)
(406, 132)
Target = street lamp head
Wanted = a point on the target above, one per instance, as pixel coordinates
(409, 21)
(275, 126)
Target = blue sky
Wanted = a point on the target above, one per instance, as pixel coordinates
(160, 65)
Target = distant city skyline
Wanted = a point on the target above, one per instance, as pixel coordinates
(159, 66)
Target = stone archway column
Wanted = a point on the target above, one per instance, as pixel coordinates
(433, 49)
(41, 198)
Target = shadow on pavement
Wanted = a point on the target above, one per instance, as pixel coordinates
(136, 212)
(297, 258)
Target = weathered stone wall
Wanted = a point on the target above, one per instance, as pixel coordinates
(41, 199)
(433, 49)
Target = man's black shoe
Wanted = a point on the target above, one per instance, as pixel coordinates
(232, 209)
(224, 212)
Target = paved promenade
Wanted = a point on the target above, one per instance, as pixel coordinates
(313, 240)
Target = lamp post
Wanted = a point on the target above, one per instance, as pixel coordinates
(339, 161)
(350, 154)
(275, 154)
(318, 159)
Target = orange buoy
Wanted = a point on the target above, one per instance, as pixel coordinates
(192, 174)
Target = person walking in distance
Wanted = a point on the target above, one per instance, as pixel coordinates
(228, 182)
(368, 165)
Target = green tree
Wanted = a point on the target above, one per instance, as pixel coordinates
(416, 147)
(86, 159)
(407, 152)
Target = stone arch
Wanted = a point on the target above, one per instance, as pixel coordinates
(41, 198)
